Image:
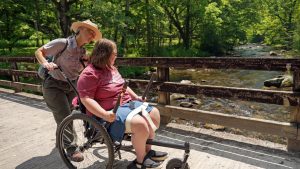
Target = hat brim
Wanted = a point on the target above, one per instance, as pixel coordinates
(76, 25)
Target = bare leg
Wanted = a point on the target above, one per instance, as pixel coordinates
(140, 134)
(155, 116)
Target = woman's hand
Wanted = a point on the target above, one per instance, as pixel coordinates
(109, 116)
(139, 98)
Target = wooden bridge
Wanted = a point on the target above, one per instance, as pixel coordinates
(28, 138)
(27, 127)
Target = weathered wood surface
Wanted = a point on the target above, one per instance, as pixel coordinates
(27, 141)
(282, 129)
(265, 126)
(266, 63)
(286, 98)
(23, 73)
(21, 86)
(29, 59)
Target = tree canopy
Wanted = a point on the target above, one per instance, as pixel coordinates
(157, 27)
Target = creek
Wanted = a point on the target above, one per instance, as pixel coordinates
(235, 78)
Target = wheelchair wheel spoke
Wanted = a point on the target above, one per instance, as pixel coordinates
(78, 132)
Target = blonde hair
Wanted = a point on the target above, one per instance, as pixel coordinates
(103, 50)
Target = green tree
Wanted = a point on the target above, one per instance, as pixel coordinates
(279, 21)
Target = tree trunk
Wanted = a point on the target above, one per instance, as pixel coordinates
(149, 39)
(184, 31)
(37, 21)
(116, 34)
(170, 32)
(124, 34)
(186, 39)
(63, 7)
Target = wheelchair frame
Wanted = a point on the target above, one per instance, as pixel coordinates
(104, 138)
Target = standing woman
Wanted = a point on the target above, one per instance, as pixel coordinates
(58, 94)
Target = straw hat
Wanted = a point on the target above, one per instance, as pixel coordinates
(87, 24)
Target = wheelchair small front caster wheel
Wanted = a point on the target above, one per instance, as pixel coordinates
(176, 163)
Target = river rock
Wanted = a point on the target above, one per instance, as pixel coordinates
(274, 82)
(177, 96)
(280, 81)
(186, 104)
(185, 82)
(196, 101)
(282, 51)
(272, 53)
(287, 81)
(214, 127)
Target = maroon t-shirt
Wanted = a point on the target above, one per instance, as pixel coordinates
(102, 85)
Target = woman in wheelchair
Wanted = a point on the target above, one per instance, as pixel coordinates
(99, 86)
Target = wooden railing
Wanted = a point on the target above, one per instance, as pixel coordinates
(291, 129)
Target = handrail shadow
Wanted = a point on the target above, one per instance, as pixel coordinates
(256, 155)
(25, 100)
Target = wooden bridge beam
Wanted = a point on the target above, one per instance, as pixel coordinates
(294, 144)
(163, 97)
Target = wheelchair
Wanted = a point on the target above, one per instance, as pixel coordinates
(89, 136)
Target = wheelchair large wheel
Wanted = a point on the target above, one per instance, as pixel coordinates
(82, 133)
(176, 163)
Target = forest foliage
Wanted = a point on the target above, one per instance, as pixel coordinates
(156, 27)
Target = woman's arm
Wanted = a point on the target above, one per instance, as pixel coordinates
(97, 110)
(133, 95)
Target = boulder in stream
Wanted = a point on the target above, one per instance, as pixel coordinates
(280, 81)
(272, 53)
(186, 104)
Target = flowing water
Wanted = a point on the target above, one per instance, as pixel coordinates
(235, 78)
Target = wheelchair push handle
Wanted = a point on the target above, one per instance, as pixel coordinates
(69, 81)
(120, 96)
(148, 86)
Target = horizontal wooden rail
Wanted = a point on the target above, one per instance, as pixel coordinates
(19, 86)
(274, 64)
(259, 125)
(286, 98)
(23, 73)
(29, 59)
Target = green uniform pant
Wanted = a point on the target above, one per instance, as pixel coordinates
(58, 96)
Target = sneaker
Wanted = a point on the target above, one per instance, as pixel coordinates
(147, 164)
(157, 155)
(75, 155)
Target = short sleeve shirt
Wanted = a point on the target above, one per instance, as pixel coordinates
(69, 60)
(102, 85)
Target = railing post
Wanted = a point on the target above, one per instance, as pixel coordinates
(15, 78)
(163, 97)
(14, 66)
(294, 144)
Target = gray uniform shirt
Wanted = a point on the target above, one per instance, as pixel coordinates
(68, 60)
